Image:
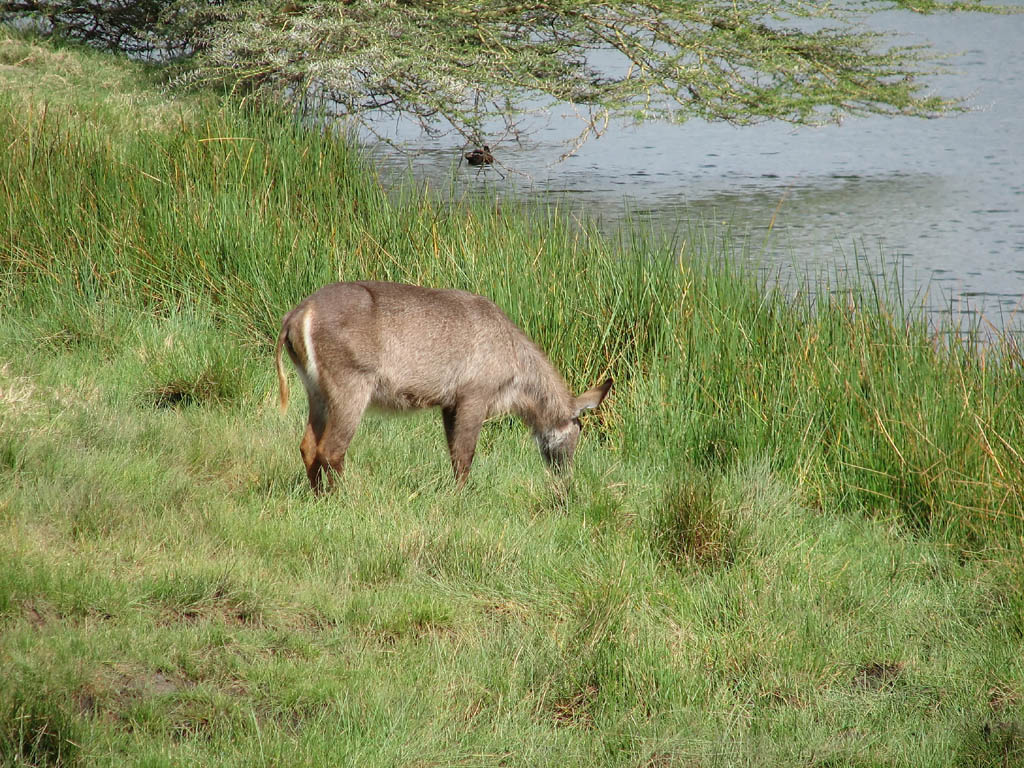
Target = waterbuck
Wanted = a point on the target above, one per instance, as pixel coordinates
(400, 347)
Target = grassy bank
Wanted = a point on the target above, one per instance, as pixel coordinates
(793, 536)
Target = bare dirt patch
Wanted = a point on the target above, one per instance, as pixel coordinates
(877, 676)
(575, 710)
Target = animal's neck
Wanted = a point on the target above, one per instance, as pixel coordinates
(544, 400)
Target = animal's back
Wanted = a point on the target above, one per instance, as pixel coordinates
(423, 346)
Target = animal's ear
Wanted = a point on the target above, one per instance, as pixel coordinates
(592, 397)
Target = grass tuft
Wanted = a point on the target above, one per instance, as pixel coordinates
(38, 730)
(691, 528)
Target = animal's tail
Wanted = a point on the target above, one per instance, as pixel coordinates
(282, 382)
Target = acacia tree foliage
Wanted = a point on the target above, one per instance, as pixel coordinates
(458, 64)
(143, 28)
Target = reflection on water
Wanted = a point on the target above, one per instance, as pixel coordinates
(939, 201)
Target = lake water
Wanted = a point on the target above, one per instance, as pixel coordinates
(941, 201)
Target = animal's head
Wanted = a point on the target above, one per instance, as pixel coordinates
(558, 443)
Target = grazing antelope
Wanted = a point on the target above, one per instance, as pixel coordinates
(400, 347)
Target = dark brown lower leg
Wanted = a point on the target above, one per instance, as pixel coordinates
(462, 427)
(448, 418)
(311, 458)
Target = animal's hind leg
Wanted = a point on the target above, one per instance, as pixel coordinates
(311, 440)
(347, 404)
(310, 458)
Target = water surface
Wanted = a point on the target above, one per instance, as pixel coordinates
(938, 201)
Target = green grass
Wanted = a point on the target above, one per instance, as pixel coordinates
(793, 536)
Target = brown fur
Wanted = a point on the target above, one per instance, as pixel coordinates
(400, 347)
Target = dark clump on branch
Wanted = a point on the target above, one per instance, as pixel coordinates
(480, 156)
